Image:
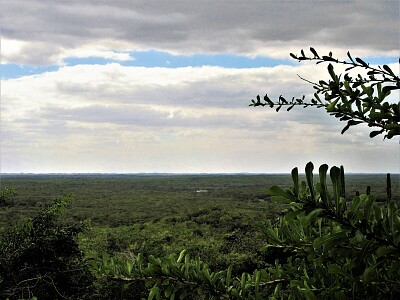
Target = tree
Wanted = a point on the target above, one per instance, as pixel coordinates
(334, 247)
(353, 99)
(41, 258)
(6, 195)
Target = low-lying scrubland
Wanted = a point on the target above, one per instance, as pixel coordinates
(215, 217)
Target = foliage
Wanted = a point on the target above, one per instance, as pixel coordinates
(185, 278)
(6, 194)
(219, 237)
(41, 258)
(139, 199)
(342, 249)
(335, 250)
(356, 100)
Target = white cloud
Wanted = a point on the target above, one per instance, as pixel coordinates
(88, 51)
(110, 118)
(11, 49)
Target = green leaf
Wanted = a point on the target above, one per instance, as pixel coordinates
(336, 182)
(228, 276)
(350, 123)
(314, 214)
(243, 281)
(309, 177)
(181, 256)
(329, 241)
(168, 292)
(335, 269)
(360, 61)
(153, 292)
(388, 69)
(386, 89)
(331, 72)
(369, 201)
(295, 178)
(129, 267)
(348, 54)
(277, 191)
(323, 169)
(314, 52)
(328, 58)
(375, 133)
(393, 217)
(331, 106)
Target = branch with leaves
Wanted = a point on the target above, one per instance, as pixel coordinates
(352, 245)
(185, 278)
(354, 100)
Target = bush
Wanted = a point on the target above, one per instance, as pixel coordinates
(6, 195)
(41, 258)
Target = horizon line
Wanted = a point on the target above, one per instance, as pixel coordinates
(171, 173)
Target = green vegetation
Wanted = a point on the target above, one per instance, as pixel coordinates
(211, 216)
(6, 195)
(41, 258)
(158, 216)
(114, 201)
(313, 239)
(327, 248)
(355, 100)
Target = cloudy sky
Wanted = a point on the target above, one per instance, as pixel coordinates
(164, 86)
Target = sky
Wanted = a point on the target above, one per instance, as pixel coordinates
(165, 86)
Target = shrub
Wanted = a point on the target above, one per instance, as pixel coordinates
(6, 195)
(41, 258)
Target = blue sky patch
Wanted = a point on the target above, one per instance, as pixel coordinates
(165, 60)
(9, 71)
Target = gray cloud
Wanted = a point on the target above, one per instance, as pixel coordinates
(245, 27)
(141, 116)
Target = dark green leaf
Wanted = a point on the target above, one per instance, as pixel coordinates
(389, 88)
(290, 107)
(348, 54)
(331, 71)
(375, 133)
(388, 69)
(345, 129)
(360, 61)
(309, 177)
(314, 52)
(295, 178)
(327, 58)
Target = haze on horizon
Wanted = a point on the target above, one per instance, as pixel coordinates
(164, 86)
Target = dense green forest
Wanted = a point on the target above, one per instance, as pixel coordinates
(215, 217)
